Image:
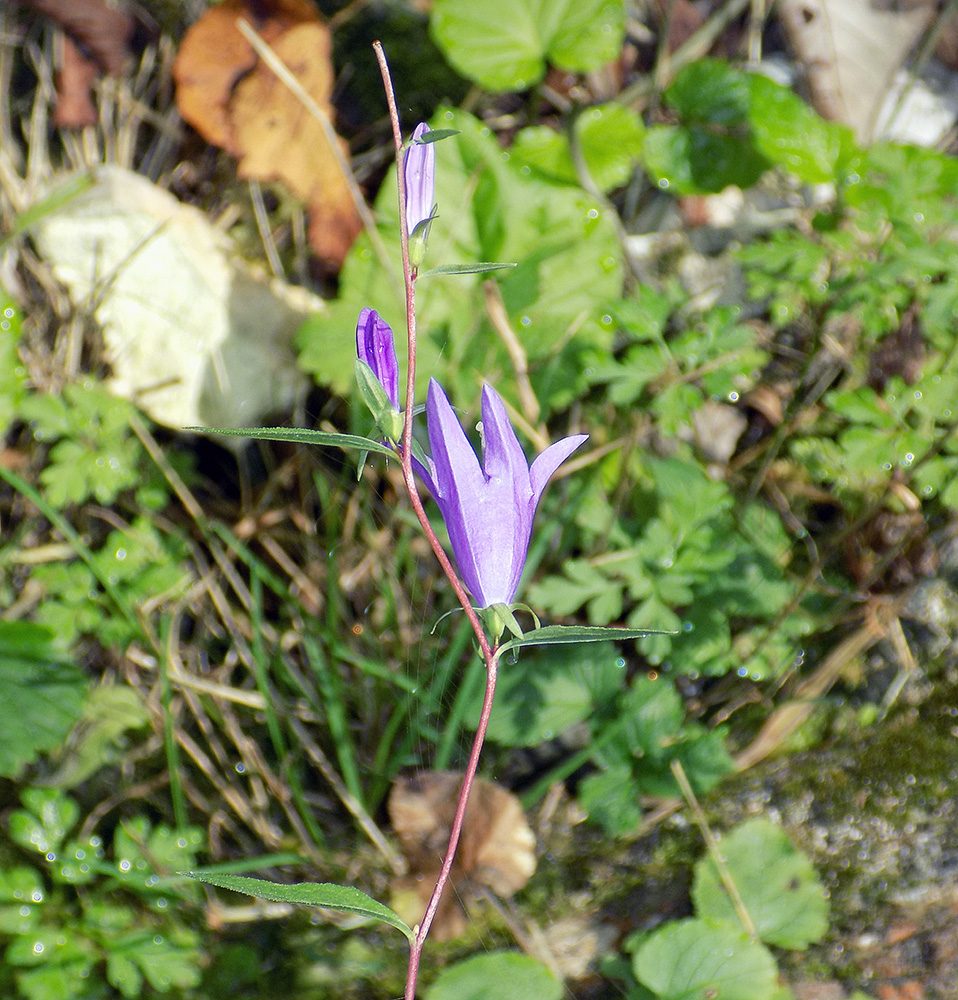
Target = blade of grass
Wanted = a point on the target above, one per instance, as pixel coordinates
(170, 744)
(334, 703)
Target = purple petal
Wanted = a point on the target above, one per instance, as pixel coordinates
(548, 461)
(427, 475)
(376, 346)
(458, 479)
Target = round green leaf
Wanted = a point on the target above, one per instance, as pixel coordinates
(779, 887)
(609, 135)
(497, 975)
(790, 133)
(696, 160)
(710, 91)
(696, 960)
(505, 44)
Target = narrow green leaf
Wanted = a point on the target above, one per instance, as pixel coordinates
(552, 635)
(299, 435)
(435, 135)
(478, 268)
(343, 898)
(52, 203)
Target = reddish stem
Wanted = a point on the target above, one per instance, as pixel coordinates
(409, 479)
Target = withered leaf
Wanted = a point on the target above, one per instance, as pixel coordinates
(497, 847)
(236, 101)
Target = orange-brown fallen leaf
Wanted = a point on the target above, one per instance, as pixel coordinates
(236, 101)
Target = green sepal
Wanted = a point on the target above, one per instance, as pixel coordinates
(419, 239)
(499, 618)
(388, 418)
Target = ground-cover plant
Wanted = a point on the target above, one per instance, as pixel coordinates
(95, 912)
(752, 890)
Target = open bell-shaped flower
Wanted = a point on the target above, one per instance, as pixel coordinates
(488, 510)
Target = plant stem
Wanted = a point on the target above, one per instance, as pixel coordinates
(488, 653)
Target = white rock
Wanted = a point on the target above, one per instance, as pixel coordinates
(192, 334)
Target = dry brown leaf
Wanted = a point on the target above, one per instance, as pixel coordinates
(281, 140)
(235, 101)
(496, 848)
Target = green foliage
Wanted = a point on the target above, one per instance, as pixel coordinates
(12, 374)
(691, 959)
(140, 564)
(609, 137)
(94, 916)
(545, 692)
(885, 266)
(569, 267)
(41, 694)
(778, 886)
(505, 44)
(687, 567)
(496, 975)
(711, 955)
(636, 730)
(94, 455)
(635, 738)
(110, 713)
(733, 126)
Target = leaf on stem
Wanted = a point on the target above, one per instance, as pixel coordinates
(344, 898)
(478, 268)
(552, 635)
(435, 135)
(300, 435)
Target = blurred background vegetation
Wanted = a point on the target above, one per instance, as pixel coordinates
(224, 657)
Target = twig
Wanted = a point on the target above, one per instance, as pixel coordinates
(713, 848)
(282, 71)
(496, 311)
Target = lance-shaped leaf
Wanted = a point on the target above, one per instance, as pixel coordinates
(345, 898)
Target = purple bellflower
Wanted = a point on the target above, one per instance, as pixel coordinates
(489, 510)
(419, 179)
(375, 346)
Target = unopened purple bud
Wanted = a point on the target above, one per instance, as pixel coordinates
(375, 345)
(419, 177)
